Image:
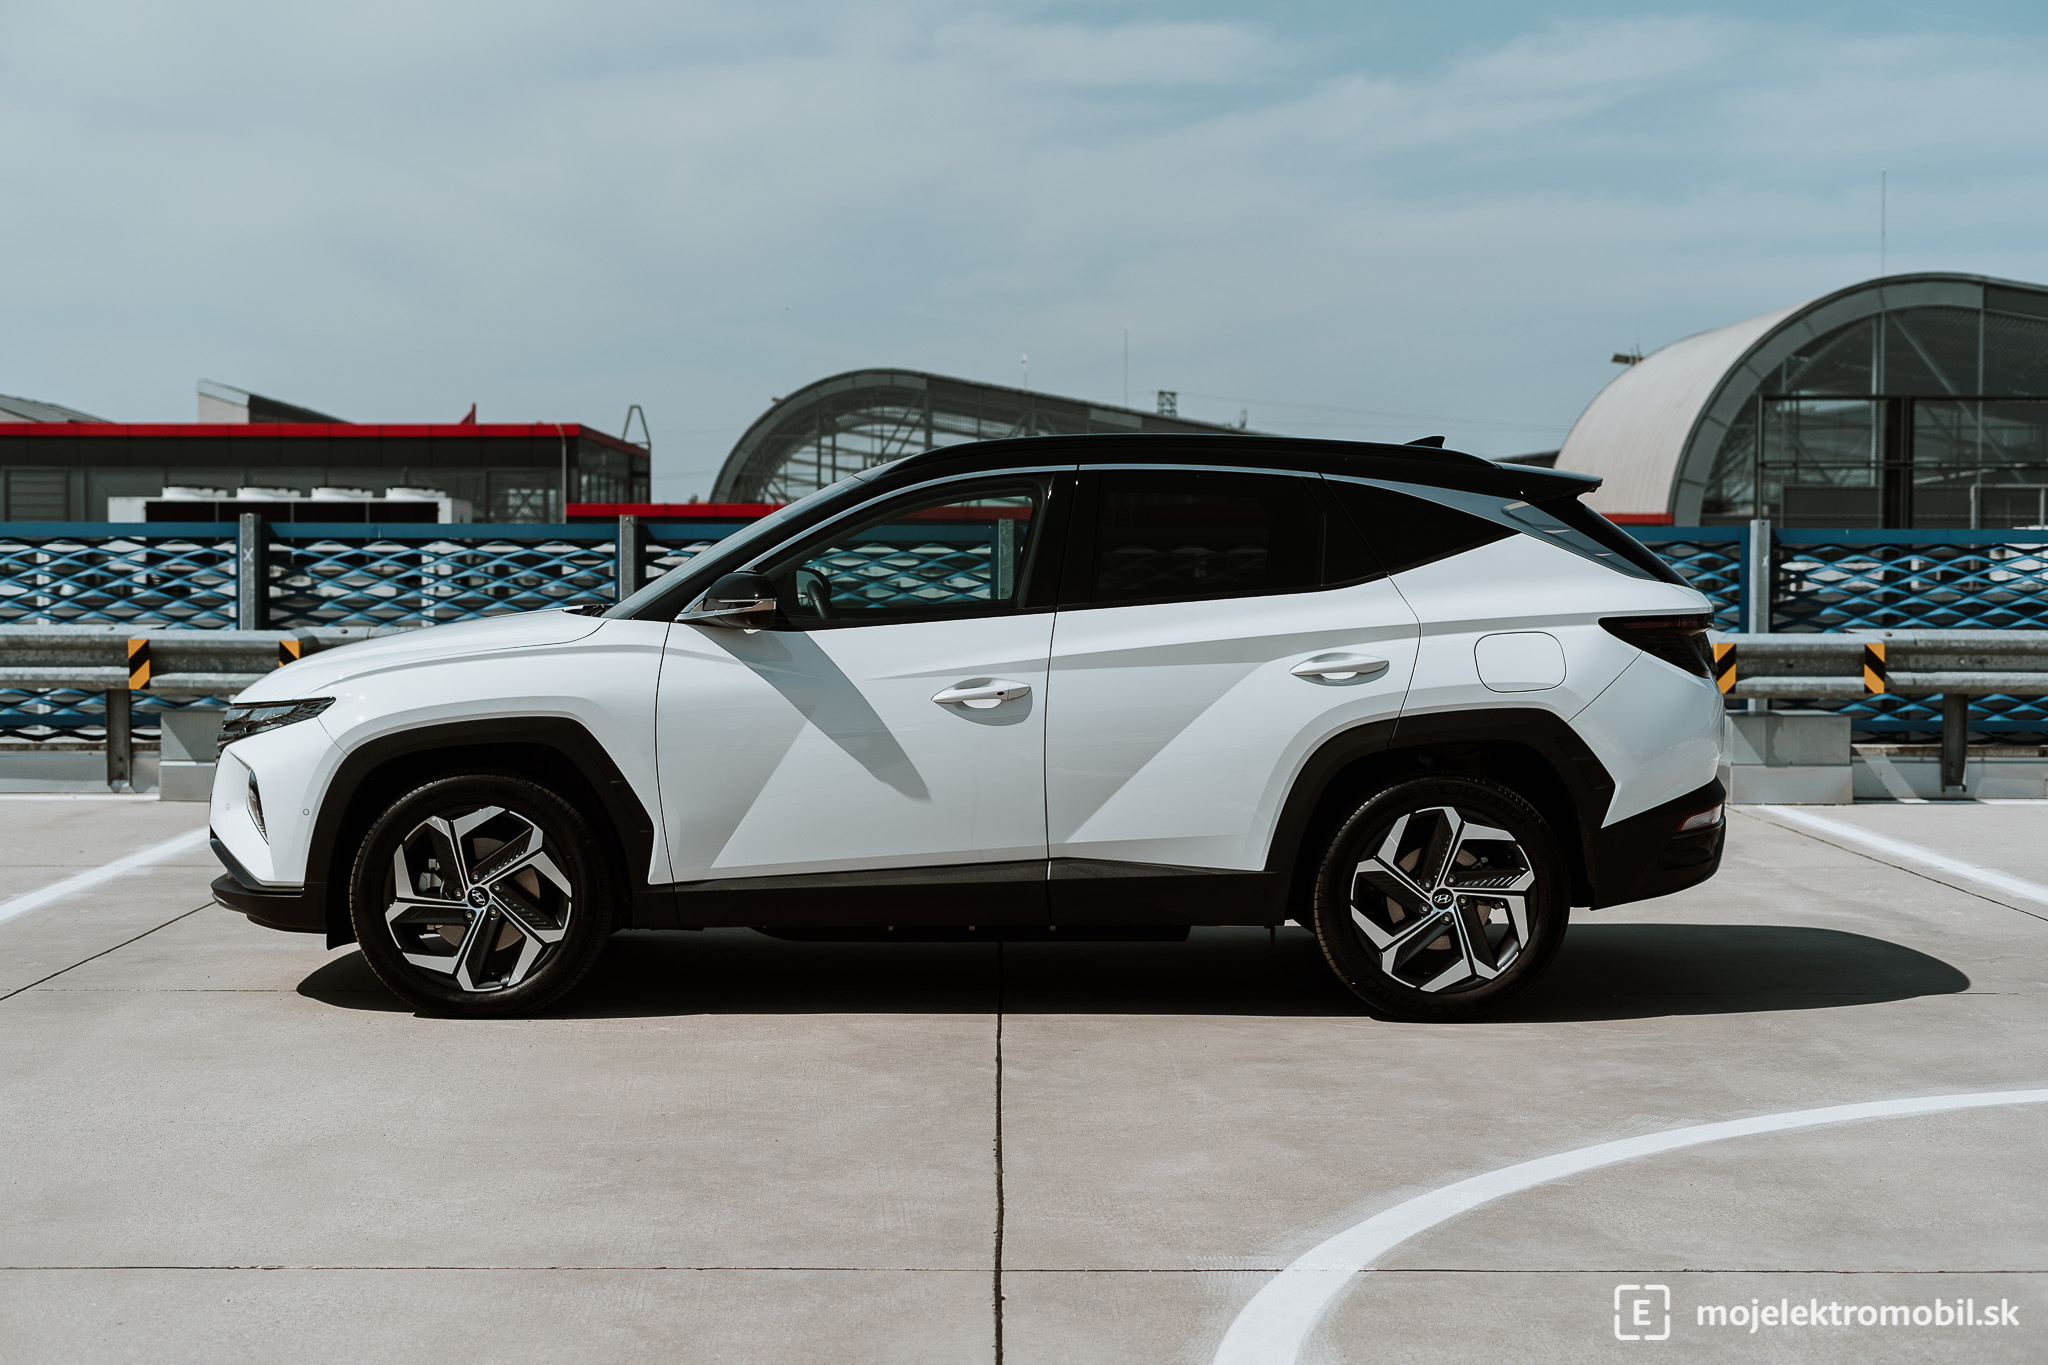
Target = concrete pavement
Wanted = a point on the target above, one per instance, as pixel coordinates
(226, 1143)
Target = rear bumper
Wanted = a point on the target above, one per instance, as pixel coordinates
(1645, 855)
(294, 909)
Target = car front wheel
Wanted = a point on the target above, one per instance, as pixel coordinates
(1441, 899)
(481, 895)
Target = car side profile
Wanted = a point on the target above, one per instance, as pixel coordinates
(1414, 700)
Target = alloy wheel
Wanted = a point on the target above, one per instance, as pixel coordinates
(478, 898)
(1442, 900)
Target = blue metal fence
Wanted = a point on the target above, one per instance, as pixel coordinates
(82, 573)
(344, 575)
(1713, 559)
(159, 574)
(1909, 580)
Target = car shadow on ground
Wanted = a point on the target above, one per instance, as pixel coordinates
(1603, 971)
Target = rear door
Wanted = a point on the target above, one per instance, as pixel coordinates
(1214, 631)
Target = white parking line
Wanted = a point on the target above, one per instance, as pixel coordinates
(1272, 1328)
(1899, 848)
(106, 872)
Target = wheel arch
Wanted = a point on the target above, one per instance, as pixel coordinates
(1533, 752)
(550, 749)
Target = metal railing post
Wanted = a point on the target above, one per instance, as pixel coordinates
(626, 577)
(1760, 587)
(252, 577)
(120, 739)
(1759, 578)
(1955, 741)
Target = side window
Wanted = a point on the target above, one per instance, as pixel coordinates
(1172, 535)
(1404, 532)
(941, 554)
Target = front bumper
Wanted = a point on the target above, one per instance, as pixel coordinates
(294, 909)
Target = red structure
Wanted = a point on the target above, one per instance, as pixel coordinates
(671, 511)
(507, 472)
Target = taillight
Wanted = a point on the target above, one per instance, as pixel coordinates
(1680, 641)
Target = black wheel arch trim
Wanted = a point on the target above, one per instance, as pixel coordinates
(1533, 750)
(342, 819)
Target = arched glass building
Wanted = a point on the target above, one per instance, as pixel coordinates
(849, 422)
(1908, 401)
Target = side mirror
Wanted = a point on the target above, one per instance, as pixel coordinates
(738, 599)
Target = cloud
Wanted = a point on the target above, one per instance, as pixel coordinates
(393, 210)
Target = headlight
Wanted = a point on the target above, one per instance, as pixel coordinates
(256, 717)
(256, 808)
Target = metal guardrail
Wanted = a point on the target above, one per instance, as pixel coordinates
(1956, 665)
(120, 664)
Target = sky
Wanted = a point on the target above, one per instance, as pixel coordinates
(1360, 219)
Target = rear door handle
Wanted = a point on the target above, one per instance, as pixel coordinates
(981, 694)
(1339, 668)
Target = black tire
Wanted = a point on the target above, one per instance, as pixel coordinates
(1407, 859)
(531, 902)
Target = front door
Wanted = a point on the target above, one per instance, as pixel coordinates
(892, 720)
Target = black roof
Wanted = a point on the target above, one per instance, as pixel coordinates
(1424, 465)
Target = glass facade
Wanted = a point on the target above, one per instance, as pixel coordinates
(1927, 416)
(842, 425)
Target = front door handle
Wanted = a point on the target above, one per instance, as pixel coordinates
(981, 694)
(1339, 668)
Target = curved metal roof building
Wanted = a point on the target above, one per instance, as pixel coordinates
(1912, 400)
(849, 422)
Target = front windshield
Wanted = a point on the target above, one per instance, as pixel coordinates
(733, 548)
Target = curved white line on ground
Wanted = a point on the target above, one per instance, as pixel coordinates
(1271, 1329)
(106, 872)
(1914, 853)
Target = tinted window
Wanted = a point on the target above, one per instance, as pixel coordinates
(1169, 535)
(1404, 531)
(673, 591)
(1611, 539)
(963, 551)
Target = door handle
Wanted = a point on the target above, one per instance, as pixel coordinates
(1339, 668)
(981, 694)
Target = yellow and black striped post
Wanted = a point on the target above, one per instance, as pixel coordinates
(1724, 668)
(288, 651)
(1876, 677)
(138, 665)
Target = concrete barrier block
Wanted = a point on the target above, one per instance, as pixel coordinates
(192, 736)
(1882, 776)
(183, 780)
(1788, 739)
(1757, 784)
(78, 771)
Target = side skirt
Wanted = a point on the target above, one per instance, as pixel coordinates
(1063, 897)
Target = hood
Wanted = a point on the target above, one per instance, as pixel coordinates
(313, 675)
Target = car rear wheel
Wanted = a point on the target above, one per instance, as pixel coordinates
(1441, 899)
(481, 895)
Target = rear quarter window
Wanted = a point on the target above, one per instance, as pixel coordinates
(1402, 531)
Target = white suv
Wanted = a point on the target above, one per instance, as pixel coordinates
(1071, 687)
